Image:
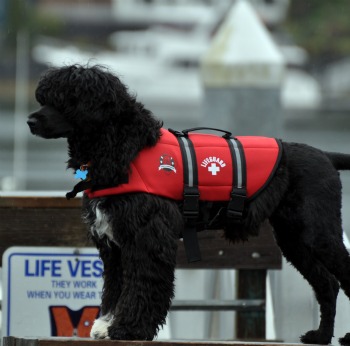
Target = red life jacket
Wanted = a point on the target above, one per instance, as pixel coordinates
(159, 169)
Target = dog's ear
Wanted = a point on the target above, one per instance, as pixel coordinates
(145, 126)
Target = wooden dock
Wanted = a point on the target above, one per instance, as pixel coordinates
(13, 341)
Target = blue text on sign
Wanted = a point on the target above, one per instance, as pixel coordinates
(54, 268)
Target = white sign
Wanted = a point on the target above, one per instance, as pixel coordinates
(50, 291)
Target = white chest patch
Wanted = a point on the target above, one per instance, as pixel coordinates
(101, 225)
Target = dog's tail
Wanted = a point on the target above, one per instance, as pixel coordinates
(340, 161)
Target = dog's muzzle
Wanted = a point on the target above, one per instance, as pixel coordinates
(32, 123)
(47, 122)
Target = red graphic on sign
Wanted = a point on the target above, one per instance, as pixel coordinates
(67, 322)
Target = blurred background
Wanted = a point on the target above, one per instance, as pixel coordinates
(163, 50)
(156, 47)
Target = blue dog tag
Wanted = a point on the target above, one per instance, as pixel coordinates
(79, 174)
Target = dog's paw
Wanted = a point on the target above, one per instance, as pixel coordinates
(100, 327)
(118, 333)
(315, 337)
(345, 341)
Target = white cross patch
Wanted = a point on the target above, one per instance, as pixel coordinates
(214, 169)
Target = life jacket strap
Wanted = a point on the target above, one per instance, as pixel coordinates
(238, 197)
(191, 197)
(81, 186)
(191, 203)
(235, 206)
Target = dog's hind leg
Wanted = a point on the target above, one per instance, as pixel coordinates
(337, 261)
(324, 284)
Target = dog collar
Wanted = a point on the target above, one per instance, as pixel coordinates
(83, 174)
(85, 183)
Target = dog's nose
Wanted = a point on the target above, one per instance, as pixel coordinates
(32, 123)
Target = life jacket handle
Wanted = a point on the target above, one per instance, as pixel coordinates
(185, 132)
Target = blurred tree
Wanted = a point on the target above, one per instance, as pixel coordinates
(23, 15)
(322, 27)
(21, 23)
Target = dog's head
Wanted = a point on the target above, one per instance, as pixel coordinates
(76, 98)
(103, 123)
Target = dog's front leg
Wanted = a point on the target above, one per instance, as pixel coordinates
(148, 262)
(112, 285)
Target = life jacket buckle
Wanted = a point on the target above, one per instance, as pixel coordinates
(235, 206)
(191, 203)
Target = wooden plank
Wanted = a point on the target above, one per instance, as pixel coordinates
(54, 221)
(12, 341)
(258, 253)
(39, 202)
(41, 227)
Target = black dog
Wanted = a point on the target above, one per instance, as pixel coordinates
(136, 233)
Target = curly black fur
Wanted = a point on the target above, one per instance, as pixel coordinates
(136, 233)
